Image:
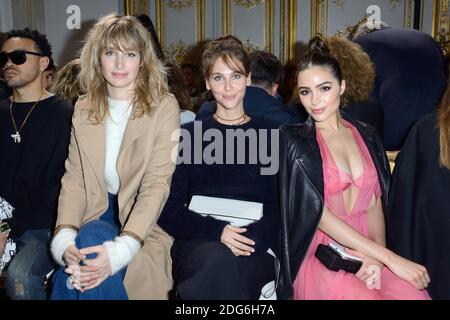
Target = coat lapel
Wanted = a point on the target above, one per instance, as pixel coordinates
(135, 128)
(92, 138)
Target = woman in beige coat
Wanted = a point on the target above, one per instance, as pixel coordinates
(118, 171)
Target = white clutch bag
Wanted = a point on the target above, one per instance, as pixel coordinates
(238, 213)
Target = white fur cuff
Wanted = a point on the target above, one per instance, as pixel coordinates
(121, 251)
(64, 238)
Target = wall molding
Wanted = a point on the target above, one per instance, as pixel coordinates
(178, 5)
(133, 7)
(408, 15)
(161, 17)
(6, 21)
(201, 20)
(319, 17)
(226, 28)
(284, 13)
(282, 55)
(28, 13)
(227, 18)
(320, 14)
(248, 4)
(441, 24)
(292, 30)
(269, 6)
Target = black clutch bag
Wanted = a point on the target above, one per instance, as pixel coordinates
(331, 259)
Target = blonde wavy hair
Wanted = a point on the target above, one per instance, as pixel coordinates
(123, 33)
(356, 66)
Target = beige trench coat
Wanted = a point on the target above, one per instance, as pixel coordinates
(145, 169)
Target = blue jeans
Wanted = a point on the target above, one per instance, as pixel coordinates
(26, 273)
(91, 234)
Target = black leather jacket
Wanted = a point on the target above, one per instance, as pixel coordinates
(302, 189)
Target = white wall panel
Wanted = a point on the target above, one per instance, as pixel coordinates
(180, 24)
(249, 24)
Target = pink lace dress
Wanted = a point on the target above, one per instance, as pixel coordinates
(314, 280)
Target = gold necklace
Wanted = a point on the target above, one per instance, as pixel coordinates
(244, 117)
(16, 136)
(229, 120)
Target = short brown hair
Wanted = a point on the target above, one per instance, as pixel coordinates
(228, 48)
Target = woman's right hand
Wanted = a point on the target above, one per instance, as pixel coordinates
(412, 272)
(72, 255)
(238, 244)
(3, 239)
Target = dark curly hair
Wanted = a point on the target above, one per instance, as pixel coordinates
(356, 66)
(319, 54)
(346, 61)
(41, 42)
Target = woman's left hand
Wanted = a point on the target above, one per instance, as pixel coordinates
(94, 271)
(240, 245)
(367, 273)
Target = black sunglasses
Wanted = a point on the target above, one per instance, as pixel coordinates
(17, 57)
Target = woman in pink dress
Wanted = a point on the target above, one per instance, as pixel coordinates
(334, 179)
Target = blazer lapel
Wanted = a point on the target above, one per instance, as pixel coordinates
(92, 138)
(135, 128)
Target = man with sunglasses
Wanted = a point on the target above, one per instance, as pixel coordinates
(34, 137)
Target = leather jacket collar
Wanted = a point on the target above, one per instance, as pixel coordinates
(370, 137)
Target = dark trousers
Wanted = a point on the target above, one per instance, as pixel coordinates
(208, 270)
